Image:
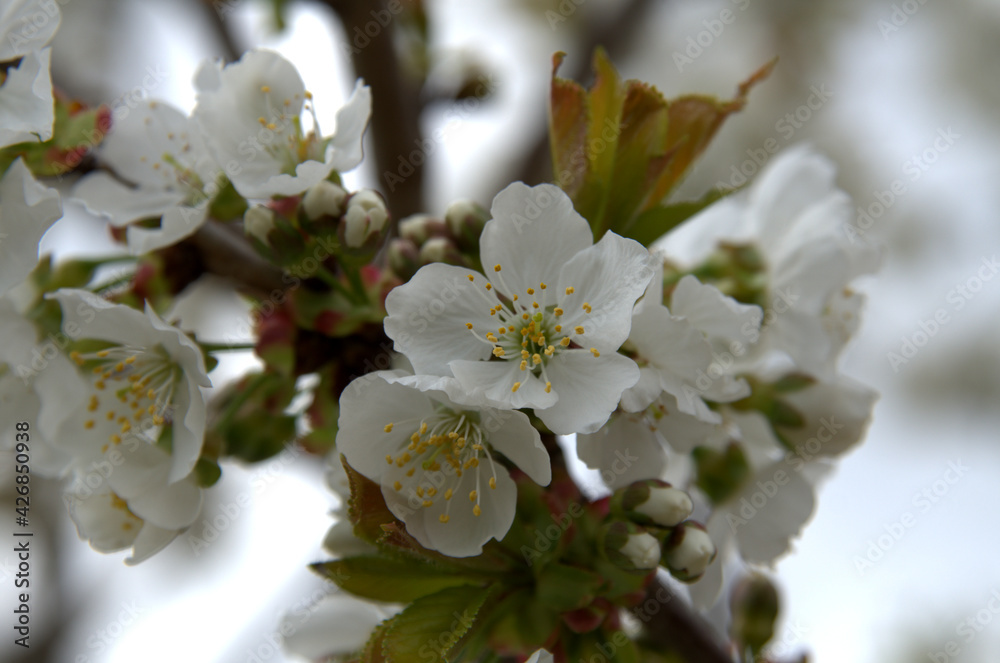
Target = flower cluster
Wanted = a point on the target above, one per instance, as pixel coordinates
(686, 352)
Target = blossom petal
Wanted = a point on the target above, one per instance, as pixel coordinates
(713, 313)
(100, 520)
(767, 534)
(511, 433)
(27, 211)
(493, 382)
(102, 194)
(27, 107)
(428, 316)
(151, 540)
(610, 450)
(589, 389)
(26, 26)
(607, 277)
(345, 150)
(464, 533)
(337, 625)
(367, 405)
(533, 233)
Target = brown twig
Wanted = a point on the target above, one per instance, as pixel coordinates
(215, 15)
(675, 627)
(395, 126)
(225, 252)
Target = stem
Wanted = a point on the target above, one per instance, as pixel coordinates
(676, 627)
(226, 347)
(227, 253)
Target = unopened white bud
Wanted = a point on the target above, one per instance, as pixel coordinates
(324, 199)
(258, 221)
(366, 216)
(418, 228)
(643, 550)
(666, 506)
(691, 554)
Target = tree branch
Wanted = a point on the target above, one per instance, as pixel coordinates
(226, 253)
(216, 12)
(396, 112)
(674, 627)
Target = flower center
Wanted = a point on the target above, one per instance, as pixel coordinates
(448, 446)
(530, 329)
(286, 142)
(140, 385)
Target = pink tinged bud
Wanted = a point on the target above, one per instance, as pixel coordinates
(666, 506)
(366, 216)
(258, 221)
(643, 550)
(324, 199)
(689, 551)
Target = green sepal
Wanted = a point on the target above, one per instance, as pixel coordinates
(434, 627)
(720, 473)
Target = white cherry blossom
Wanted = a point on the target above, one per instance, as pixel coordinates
(27, 211)
(436, 460)
(249, 112)
(159, 152)
(150, 375)
(543, 329)
(795, 217)
(126, 500)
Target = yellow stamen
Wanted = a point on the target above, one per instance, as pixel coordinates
(594, 352)
(569, 290)
(496, 268)
(517, 385)
(493, 482)
(387, 428)
(472, 496)
(578, 330)
(476, 510)
(88, 424)
(443, 518)
(548, 387)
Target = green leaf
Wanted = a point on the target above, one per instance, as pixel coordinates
(207, 472)
(432, 627)
(694, 121)
(655, 222)
(399, 580)
(366, 506)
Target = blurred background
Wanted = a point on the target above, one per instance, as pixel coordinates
(902, 558)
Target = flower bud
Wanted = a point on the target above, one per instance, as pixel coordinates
(258, 221)
(688, 551)
(466, 220)
(754, 604)
(418, 228)
(652, 502)
(629, 546)
(403, 258)
(364, 219)
(440, 249)
(324, 199)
